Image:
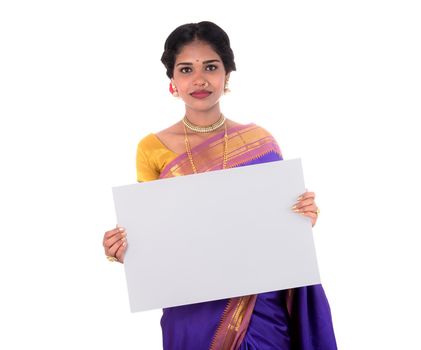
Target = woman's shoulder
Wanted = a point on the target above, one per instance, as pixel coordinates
(147, 141)
(257, 136)
(152, 157)
(255, 129)
(151, 143)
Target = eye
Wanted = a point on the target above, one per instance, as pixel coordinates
(211, 67)
(185, 70)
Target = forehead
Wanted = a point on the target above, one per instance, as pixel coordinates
(196, 51)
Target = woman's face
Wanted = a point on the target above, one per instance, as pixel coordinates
(199, 75)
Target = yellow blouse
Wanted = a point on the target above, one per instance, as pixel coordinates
(151, 158)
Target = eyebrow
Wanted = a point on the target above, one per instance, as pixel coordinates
(190, 64)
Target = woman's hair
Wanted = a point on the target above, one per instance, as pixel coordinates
(204, 31)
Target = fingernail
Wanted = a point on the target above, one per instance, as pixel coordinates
(121, 229)
(294, 206)
(297, 210)
(124, 244)
(299, 198)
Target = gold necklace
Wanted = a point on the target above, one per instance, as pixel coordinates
(189, 154)
(204, 129)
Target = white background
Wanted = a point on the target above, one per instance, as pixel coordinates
(337, 83)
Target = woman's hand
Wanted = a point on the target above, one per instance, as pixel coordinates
(115, 244)
(307, 206)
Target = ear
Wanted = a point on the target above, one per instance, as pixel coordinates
(227, 76)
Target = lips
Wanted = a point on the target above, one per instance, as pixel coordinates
(200, 94)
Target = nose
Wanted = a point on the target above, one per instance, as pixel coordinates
(200, 82)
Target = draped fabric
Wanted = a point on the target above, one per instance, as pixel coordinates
(298, 318)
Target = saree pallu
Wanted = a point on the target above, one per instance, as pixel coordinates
(298, 318)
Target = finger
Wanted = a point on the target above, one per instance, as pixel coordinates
(310, 214)
(303, 203)
(121, 251)
(114, 248)
(309, 208)
(113, 237)
(111, 241)
(113, 232)
(306, 195)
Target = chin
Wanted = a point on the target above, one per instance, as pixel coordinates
(202, 107)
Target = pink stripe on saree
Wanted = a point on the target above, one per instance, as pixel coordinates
(245, 143)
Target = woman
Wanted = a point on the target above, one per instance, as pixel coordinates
(199, 60)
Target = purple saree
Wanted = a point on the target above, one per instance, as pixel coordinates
(281, 320)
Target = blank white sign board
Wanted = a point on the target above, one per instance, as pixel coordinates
(215, 235)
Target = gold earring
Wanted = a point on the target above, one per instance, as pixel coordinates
(226, 88)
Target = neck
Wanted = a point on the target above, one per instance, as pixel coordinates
(203, 118)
